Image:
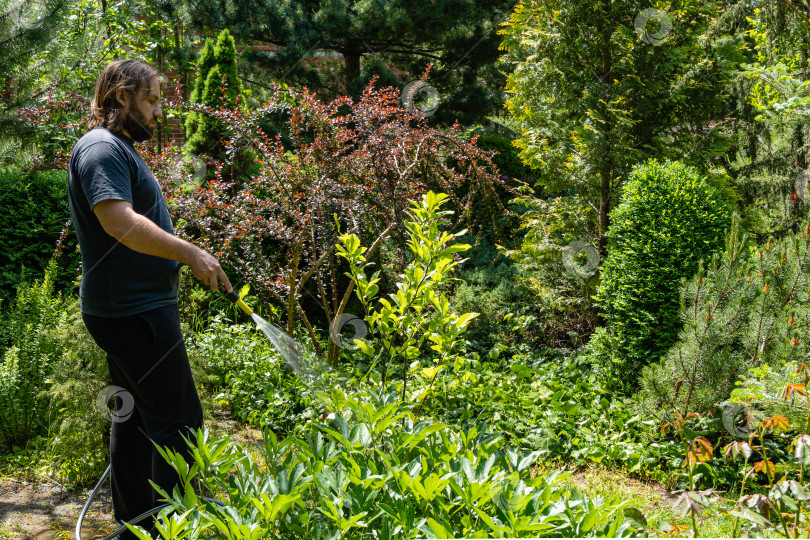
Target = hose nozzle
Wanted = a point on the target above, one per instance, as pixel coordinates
(233, 297)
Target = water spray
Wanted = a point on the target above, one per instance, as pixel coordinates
(308, 369)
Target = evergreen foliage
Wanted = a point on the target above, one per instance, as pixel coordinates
(593, 97)
(507, 159)
(747, 308)
(460, 40)
(29, 348)
(668, 220)
(563, 299)
(773, 98)
(488, 286)
(33, 211)
(506, 229)
(25, 30)
(204, 64)
(78, 451)
(221, 89)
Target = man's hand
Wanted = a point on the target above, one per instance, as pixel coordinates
(206, 268)
(141, 234)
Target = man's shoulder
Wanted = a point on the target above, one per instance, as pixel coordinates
(100, 144)
(101, 136)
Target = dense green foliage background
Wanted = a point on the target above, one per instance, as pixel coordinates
(34, 214)
(624, 277)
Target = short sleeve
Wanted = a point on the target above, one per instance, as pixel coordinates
(104, 173)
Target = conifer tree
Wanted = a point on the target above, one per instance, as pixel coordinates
(204, 65)
(774, 127)
(25, 30)
(459, 37)
(596, 91)
(669, 219)
(750, 306)
(221, 89)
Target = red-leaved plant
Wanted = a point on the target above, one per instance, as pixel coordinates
(351, 168)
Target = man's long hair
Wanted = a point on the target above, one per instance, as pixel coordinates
(130, 75)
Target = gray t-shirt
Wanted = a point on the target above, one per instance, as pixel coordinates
(117, 281)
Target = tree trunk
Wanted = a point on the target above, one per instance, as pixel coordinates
(311, 331)
(606, 167)
(293, 290)
(606, 163)
(351, 59)
(332, 352)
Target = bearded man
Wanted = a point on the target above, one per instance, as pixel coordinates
(131, 260)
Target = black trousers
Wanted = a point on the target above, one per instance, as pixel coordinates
(147, 359)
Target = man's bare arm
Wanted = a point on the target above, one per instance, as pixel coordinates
(141, 234)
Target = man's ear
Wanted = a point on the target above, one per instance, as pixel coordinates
(122, 97)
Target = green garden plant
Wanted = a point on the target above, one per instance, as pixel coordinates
(668, 220)
(205, 61)
(30, 347)
(780, 510)
(78, 434)
(698, 449)
(746, 309)
(33, 211)
(761, 393)
(246, 373)
(218, 86)
(775, 507)
(418, 318)
(50, 373)
(372, 471)
(492, 290)
(562, 300)
(593, 97)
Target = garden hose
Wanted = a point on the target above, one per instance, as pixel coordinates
(134, 521)
(233, 297)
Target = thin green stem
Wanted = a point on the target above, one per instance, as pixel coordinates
(798, 502)
(765, 457)
(782, 519)
(692, 486)
(742, 491)
(771, 477)
(807, 423)
(694, 524)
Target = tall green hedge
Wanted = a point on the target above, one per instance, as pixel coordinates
(33, 211)
(669, 218)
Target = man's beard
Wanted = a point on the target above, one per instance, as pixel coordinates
(135, 125)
